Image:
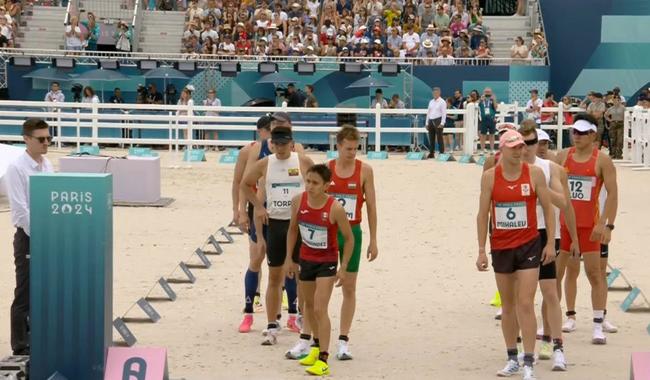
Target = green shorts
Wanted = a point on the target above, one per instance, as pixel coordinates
(353, 265)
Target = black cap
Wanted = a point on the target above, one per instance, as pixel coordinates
(281, 135)
(264, 122)
(281, 116)
(598, 95)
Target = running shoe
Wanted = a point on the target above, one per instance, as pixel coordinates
(569, 325)
(598, 337)
(559, 362)
(498, 314)
(511, 368)
(257, 304)
(311, 358)
(246, 323)
(528, 373)
(271, 337)
(609, 328)
(285, 301)
(292, 325)
(278, 329)
(320, 368)
(299, 351)
(545, 351)
(343, 351)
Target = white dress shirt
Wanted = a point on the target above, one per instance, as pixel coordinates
(535, 115)
(437, 109)
(17, 182)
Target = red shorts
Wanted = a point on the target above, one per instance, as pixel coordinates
(586, 245)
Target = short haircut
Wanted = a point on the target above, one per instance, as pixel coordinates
(528, 127)
(379, 91)
(347, 132)
(549, 94)
(436, 89)
(33, 124)
(586, 117)
(56, 83)
(117, 89)
(310, 87)
(323, 171)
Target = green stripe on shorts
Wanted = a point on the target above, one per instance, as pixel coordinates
(353, 265)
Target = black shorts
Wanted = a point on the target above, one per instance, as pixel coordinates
(547, 272)
(526, 256)
(604, 251)
(310, 271)
(276, 243)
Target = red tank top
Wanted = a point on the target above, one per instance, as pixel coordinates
(584, 188)
(514, 210)
(318, 233)
(348, 191)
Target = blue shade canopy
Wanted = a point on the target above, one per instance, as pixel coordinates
(48, 73)
(369, 82)
(102, 75)
(274, 78)
(165, 73)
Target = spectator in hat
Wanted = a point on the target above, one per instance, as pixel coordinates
(411, 42)
(617, 91)
(310, 54)
(615, 116)
(341, 42)
(362, 51)
(427, 47)
(377, 35)
(519, 51)
(311, 39)
(377, 49)
(379, 99)
(445, 48)
(344, 54)
(441, 19)
(476, 37)
(296, 11)
(430, 34)
(597, 109)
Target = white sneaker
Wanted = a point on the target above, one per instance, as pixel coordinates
(270, 338)
(528, 373)
(299, 351)
(569, 325)
(559, 362)
(609, 328)
(279, 328)
(344, 351)
(511, 368)
(497, 316)
(598, 337)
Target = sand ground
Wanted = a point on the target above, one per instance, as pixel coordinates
(423, 309)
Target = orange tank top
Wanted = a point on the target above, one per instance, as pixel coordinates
(584, 189)
(514, 210)
(348, 191)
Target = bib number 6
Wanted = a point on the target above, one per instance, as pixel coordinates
(511, 215)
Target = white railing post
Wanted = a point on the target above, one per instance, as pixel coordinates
(560, 126)
(470, 124)
(378, 127)
(627, 140)
(171, 134)
(95, 130)
(78, 129)
(58, 129)
(190, 132)
(515, 119)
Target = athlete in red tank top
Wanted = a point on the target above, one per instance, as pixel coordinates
(318, 232)
(584, 189)
(348, 191)
(514, 210)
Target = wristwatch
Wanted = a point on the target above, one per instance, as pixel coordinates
(610, 226)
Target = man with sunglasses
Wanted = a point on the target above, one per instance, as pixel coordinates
(37, 139)
(588, 171)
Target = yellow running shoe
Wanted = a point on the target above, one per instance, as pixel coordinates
(545, 351)
(320, 368)
(311, 358)
(285, 301)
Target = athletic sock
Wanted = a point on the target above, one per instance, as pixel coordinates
(599, 315)
(272, 325)
(292, 294)
(305, 336)
(344, 338)
(546, 338)
(251, 279)
(528, 360)
(323, 356)
(316, 343)
(512, 354)
(570, 313)
(557, 344)
(278, 317)
(518, 339)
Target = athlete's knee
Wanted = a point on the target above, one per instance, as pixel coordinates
(320, 311)
(276, 278)
(593, 275)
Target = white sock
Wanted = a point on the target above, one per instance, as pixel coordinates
(599, 315)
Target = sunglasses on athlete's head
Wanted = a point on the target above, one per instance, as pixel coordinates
(531, 142)
(580, 133)
(42, 139)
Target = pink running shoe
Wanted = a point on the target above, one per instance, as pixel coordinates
(292, 325)
(246, 324)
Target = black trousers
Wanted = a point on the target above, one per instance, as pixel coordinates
(20, 306)
(435, 132)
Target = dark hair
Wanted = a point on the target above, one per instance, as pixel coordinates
(323, 171)
(379, 91)
(117, 89)
(56, 83)
(92, 92)
(528, 127)
(310, 87)
(32, 124)
(549, 93)
(586, 117)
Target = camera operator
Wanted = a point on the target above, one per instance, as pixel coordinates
(153, 95)
(295, 97)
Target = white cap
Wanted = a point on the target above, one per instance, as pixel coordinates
(584, 126)
(542, 135)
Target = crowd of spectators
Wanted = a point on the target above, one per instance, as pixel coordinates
(84, 35)
(9, 12)
(433, 32)
(537, 50)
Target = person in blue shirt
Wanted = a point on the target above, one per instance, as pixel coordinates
(487, 115)
(93, 32)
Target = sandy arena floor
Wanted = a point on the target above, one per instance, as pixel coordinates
(423, 309)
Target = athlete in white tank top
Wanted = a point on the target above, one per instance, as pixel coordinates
(283, 182)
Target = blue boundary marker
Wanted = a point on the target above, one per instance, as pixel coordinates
(194, 155)
(377, 155)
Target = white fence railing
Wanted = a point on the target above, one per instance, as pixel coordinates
(636, 138)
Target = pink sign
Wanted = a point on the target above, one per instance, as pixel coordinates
(137, 363)
(640, 366)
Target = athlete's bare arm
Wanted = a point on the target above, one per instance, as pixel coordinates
(544, 196)
(291, 268)
(558, 198)
(570, 215)
(482, 219)
(560, 157)
(237, 201)
(489, 163)
(253, 155)
(368, 178)
(339, 217)
(305, 164)
(253, 174)
(298, 148)
(608, 173)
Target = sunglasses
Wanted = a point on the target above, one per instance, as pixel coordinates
(531, 142)
(580, 133)
(42, 139)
